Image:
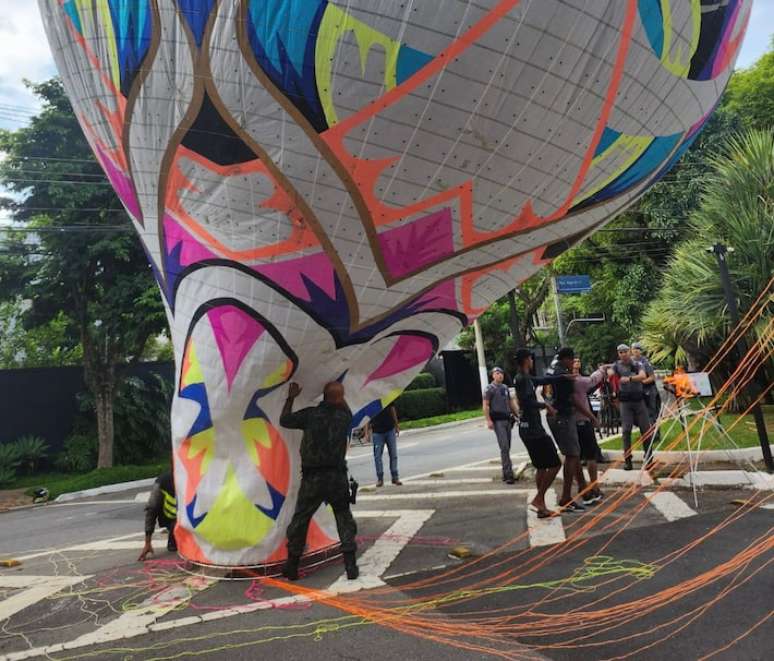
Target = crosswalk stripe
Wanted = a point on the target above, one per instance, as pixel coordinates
(543, 532)
(671, 506)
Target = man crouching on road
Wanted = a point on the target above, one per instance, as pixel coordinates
(323, 473)
(161, 507)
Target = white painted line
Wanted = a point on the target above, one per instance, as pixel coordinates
(442, 494)
(34, 588)
(142, 497)
(544, 532)
(141, 621)
(492, 469)
(471, 465)
(767, 506)
(417, 571)
(621, 476)
(92, 502)
(100, 545)
(377, 559)
(136, 621)
(439, 481)
(670, 505)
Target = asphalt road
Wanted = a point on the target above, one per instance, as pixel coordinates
(54, 526)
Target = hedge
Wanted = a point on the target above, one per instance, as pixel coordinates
(422, 381)
(421, 403)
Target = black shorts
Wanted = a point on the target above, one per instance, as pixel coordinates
(588, 442)
(541, 449)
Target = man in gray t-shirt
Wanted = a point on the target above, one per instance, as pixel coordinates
(498, 407)
(649, 389)
(631, 399)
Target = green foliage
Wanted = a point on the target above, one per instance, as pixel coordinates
(457, 416)
(31, 450)
(78, 455)
(424, 403)
(422, 380)
(750, 93)
(141, 418)
(51, 344)
(95, 285)
(9, 462)
(690, 315)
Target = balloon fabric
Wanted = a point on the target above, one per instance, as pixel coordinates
(331, 190)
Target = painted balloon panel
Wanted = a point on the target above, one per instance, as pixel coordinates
(331, 190)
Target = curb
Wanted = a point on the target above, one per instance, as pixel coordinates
(444, 425)
(107, 488)
(679, 456)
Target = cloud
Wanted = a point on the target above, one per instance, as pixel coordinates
(24, 53)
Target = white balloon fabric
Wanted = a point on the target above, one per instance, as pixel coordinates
(330, 190)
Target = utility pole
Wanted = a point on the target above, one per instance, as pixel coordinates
(482, 373)
(721, 250)
(559, 322)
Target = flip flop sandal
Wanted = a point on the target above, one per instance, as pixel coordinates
(545, 514)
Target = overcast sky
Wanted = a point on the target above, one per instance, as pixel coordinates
(24, 53)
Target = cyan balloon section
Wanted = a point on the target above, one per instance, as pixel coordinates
(331, 190)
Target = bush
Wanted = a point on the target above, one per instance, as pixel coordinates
(79, 454)
(422, 381)
(423, 403)
(9, 462)
(140, 420)
(31, 450)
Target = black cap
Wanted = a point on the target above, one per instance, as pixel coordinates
(565, 352)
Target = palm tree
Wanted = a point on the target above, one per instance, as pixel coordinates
(689, 318)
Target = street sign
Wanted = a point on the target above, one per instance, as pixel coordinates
(573, 284)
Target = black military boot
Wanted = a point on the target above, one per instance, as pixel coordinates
(350, 565)
(290, 570)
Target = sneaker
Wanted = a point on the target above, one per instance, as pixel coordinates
(589, 500)
(510, 480)
(397, 482)
(380, 483)
(573, 507)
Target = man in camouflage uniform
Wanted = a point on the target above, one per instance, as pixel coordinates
(323, 473)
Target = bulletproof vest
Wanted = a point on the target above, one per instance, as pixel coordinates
(168, 513)
(633, 390)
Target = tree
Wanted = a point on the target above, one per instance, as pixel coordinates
(750, 92)
(77, 260)
(689, 317)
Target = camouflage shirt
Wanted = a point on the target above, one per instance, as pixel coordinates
(326, 434)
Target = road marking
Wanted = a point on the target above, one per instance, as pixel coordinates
(34, 588)
(544, 532)
(91, 502)
(373, 563)
(378, 558)
(99, 545)
(439, 481)
(671, 506)
(442, 494)
(472, 465)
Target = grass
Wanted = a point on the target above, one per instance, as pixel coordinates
(457, 416)
(743, 433)
(59, 483)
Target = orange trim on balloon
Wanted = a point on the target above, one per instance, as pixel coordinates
(301, 236)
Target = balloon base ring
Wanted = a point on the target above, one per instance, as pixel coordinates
(309, 561)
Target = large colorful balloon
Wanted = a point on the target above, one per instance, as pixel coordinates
(331, 190)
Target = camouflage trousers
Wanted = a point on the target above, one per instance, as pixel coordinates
(318, 486)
